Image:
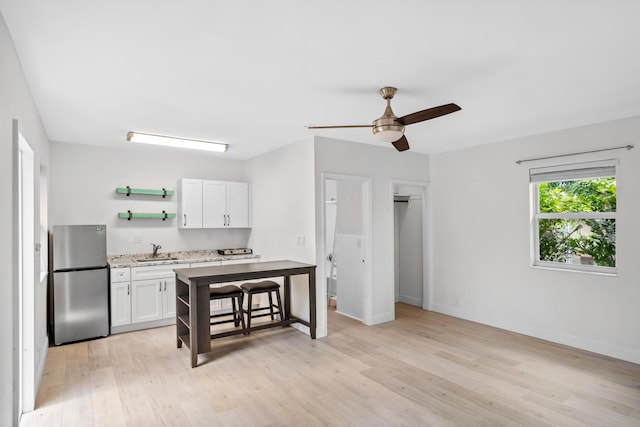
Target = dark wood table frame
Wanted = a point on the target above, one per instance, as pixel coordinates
(192, 299)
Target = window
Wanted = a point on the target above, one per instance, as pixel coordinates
(574, 216)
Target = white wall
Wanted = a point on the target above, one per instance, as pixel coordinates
(284, 209)
(16, 103)
(382, 164)
(481, 243)
(83, 191)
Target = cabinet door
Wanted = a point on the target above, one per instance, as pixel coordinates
(238, 205)
(190, 203)
(214, 204)
(146, 300)
(169, 298)
(120, 303)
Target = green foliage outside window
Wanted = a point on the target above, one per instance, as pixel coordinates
(564, 240)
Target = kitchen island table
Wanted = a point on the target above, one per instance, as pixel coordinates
(192, 299)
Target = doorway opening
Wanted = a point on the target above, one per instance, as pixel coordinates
(411, 272)
(347, 245)
(25, 238)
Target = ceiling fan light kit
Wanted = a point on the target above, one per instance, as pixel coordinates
(387, 128)
(390, 128)
(170, 141)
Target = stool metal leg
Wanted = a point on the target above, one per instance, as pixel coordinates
(249, 301)
(271, 305)
(236, 318)
(279, 304)
(241, 311)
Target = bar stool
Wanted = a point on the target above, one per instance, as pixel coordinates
(268, 287)
(236, 295)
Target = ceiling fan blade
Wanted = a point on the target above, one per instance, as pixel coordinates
(428, 114)
(401, 144)
(339, 127)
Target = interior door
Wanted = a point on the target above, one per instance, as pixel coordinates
(350, 265)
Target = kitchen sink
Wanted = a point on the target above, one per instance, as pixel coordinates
(156, 259)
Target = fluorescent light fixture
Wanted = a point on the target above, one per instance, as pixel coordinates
(169, 141)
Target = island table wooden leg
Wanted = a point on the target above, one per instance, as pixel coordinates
(193, 324)
(312, 304)
(287, 297)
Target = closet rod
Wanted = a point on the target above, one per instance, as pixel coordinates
(628, 147)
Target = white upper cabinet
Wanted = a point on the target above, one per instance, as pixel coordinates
(221, 204)
(190, 203)
(238, 207)
(214, 204)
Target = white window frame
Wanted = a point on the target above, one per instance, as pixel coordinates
(586, 170)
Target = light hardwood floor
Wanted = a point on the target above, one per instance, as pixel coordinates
(422, 369)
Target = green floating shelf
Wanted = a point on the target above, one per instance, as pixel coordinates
(139, 215)
(128, 191)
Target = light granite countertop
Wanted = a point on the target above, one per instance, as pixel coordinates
(166, 258)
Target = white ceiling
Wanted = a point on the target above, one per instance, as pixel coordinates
(253, 73)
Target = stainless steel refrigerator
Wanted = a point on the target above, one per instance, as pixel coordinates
(80, 288)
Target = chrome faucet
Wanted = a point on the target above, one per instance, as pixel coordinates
(156, 248)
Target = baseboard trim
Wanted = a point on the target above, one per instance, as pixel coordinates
(605, 349)
(387, 316)
(302, 328)
(409, 300)
(44, 345)
(143, 325)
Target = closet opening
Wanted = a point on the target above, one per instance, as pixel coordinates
(410, 254)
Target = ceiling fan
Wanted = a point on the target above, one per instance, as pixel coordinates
(390, 128)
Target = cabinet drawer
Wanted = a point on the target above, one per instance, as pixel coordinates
(155, 271)
(122, 274)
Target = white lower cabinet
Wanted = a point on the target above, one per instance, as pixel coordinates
(147, 300)
(145, 297)
(120, 296)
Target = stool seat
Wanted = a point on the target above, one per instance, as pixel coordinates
(224, 290)
(236, 295)
(264, 286)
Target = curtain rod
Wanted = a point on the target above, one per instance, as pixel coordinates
(628, 147)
